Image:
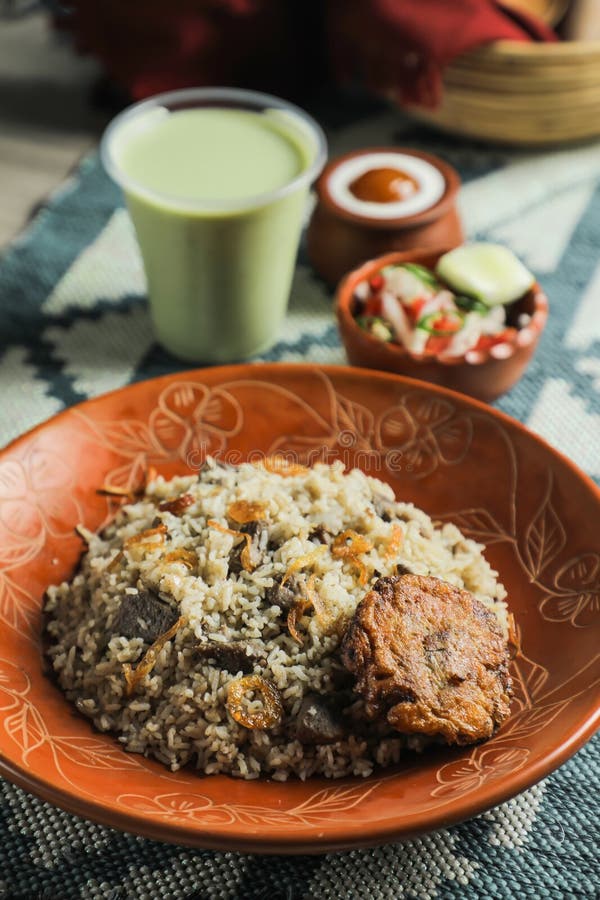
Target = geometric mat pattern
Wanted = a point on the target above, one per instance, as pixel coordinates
(74, 324)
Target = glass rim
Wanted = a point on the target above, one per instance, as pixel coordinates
(237, 96)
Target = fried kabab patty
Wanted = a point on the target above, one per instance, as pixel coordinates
(430, 658)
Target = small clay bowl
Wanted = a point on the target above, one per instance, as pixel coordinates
(483, 374)
(339, 238)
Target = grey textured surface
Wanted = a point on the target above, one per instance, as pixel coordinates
(73, 323)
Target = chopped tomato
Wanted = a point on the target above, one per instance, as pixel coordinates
(490, 340)
(447, 323)
(437, 344)
(414, 308)
(373, 305)
(486, 341)
(376, 282)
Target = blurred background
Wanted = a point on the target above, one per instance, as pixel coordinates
(65, 69)
(48, 117)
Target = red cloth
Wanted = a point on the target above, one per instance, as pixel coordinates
(402, 46)
(149, 46)
(398, 46)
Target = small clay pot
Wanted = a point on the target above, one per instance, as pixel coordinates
(484, 374)
(339, 239)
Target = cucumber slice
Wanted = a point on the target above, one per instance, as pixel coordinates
(488, 272)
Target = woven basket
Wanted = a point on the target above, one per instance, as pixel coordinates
(522, 93)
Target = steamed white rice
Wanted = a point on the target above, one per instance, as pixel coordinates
(178, 713)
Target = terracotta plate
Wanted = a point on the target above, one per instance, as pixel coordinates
(454, 457)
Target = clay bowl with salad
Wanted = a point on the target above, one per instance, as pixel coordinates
(468, 319)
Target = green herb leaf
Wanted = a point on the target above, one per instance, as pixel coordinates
(423, 274)
(426, 323)
(471, 304)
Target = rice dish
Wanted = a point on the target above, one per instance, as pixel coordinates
(219, 557)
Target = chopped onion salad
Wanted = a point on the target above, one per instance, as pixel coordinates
(462, 306)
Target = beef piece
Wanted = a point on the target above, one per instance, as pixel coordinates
(320, 535)
(143, 615)
(342, 682)
(259, 533)
(319, 720)
(282, 596)
(233, 656)
(430, 659)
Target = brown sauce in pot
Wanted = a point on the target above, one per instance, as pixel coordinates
(384, 186)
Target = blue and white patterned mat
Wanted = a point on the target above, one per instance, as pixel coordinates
(73, 324)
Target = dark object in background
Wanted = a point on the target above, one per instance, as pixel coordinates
(401, 47)
(398, 49)
(148, 47)
(17, 9)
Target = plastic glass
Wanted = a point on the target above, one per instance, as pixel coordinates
(218, 272)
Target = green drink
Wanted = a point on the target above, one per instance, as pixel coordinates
(216, 183)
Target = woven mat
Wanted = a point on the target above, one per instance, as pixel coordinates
(74, 323)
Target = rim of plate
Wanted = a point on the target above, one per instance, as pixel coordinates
(351, 833)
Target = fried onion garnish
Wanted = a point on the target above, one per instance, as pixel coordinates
(133, 677)
(187, 557)
(245, 554)
(272, 711)
(177, 506)
(302, 605)
(513, 641)
(394, 543)
(115, 561)
(301, 562)
(243, 511)
(146, 537)
(115, 490)
(347, 546)
(279, 465)
(297, 610)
